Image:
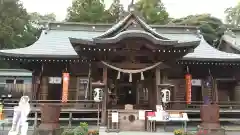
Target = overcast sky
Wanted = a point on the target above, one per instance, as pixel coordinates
(176, 8)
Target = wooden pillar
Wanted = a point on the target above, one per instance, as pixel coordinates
(44, 88)
(215, 90)
(164, 78)
(236, 92)
(104, 102)
(34, 95)
(158, 82)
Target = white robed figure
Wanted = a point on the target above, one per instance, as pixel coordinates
(19, 123)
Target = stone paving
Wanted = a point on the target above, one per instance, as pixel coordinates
(30, 132)
(157, 133)
(137, 133)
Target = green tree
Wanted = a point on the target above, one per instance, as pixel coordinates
(116, 11)
(233, 15)
(15, 27)
(91, 11)
(153, 11)
(211, 28)
(42, 20)
(12, 25)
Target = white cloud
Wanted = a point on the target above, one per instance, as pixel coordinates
(176, 8)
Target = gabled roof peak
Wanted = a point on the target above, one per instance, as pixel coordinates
(123, 24)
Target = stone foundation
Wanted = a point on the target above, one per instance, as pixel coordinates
(49, 132)
(129, 121)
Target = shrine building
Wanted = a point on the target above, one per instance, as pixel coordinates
(132, 61)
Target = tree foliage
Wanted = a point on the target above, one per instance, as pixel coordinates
(94, 11)
(211, 28)
(41, 20)
(91, 11)
(233, 15)
(153, 11)
(116, 11)
(16, 29)
(13, 24)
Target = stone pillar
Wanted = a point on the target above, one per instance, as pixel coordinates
(50, 114)
(210, 117)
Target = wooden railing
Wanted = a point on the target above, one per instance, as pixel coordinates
(85, 114)
(17, 90)
(83, 105)
(72, 107)
(195, 105)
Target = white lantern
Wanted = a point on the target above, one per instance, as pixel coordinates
(98, 94)
(165, 95)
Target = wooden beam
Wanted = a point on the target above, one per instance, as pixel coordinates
(135, 52)
(128, 65)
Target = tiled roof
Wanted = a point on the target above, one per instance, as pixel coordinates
(232, 39)
(52, 44)
(15, 72)
(56, 44)
(181, 37)
(206, 52)
(125, 22)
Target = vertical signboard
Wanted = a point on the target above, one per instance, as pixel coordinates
(65, 87)
(188, 78)
(115, 117)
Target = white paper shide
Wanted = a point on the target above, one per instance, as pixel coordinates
(19, 123)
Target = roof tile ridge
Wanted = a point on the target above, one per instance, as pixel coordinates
(230, 33)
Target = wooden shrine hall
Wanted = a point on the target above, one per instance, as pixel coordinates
(132, 61)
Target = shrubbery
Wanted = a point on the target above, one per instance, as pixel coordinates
(82, 129)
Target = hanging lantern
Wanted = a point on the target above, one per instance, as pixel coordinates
(65, 87)
(188, 78)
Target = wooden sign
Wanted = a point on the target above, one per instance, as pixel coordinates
(54, 80)
(65, 87)
(188, 78)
